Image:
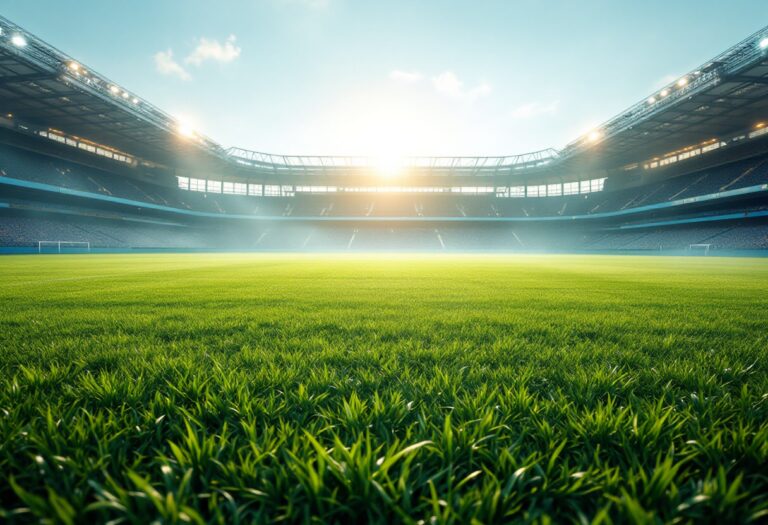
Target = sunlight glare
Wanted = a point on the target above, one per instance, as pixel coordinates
(389, 166)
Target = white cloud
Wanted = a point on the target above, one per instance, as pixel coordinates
(206, 50)
(405, 77)
(214, 50)
(481, 90)
(535, 109)
(166, 65)
(447, 83)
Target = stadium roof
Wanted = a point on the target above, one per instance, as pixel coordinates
(44, 89)
(725, 95)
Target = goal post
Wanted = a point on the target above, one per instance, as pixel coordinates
(63, 247)
(699, 249)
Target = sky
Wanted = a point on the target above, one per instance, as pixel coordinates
(391, 77)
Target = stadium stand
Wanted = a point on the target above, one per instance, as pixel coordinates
(15, 231)
(24, 231)
(724, 237)
(16, 164)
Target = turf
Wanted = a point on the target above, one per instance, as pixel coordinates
(453, 389)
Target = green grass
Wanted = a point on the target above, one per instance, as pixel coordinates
(452, 389)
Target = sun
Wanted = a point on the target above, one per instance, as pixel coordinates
(389, 166)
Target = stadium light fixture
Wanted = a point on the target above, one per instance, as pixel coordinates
(114, 89)
(74, 66)
(651, 100)
(135, 100)
(594, 136)
(760, 125)
(185, 130)
(18, 40)
(682, 82)
(664, 92)
(764, 43)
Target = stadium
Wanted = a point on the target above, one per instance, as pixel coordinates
(194, 332)
(683, 170)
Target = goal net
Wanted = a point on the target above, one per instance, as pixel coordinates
(63, 247)
(699, 249)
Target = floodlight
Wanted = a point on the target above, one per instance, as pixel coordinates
(135, 100)
(651, 100)
(185, 131)
(125, 94)
(18, 40)
(74, 66)
(594, 136)
(682, 82)
(760, 125)
(664, 92)
(764, 43)
(114, 89)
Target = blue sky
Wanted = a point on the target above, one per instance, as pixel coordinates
(394, 77)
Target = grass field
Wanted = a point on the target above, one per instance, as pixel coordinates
(448, 389)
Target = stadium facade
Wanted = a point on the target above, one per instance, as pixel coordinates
(85, 163)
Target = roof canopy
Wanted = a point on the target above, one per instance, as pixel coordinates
(43, 89)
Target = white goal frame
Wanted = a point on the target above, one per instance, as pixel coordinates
(58, 244)
(705, 247)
